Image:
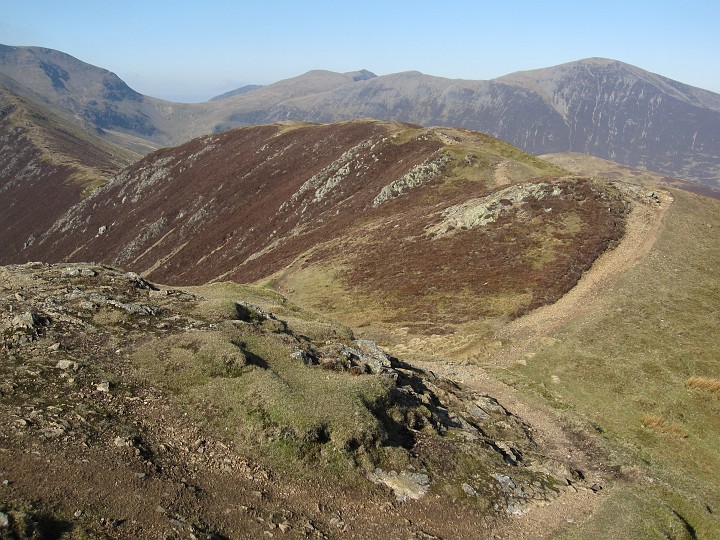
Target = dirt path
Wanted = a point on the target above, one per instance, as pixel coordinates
(642, 228)
(501, 174)
(550, 429)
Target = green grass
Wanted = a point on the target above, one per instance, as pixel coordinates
(220, 304)
(240, 380)
(624, 515)
(626, 371)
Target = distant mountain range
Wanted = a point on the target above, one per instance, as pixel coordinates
(601, 107)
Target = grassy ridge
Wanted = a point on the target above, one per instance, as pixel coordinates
(638, 372)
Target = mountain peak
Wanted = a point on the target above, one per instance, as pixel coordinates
(601, 106)
(361, 75)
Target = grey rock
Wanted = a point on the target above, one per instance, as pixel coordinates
(67, 364)
(26, 321)
(377, 360)
(4, 520)
(405, 484)
(306, 357)
(134, 309)
(140, 282)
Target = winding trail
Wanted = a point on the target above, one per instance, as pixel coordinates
(551, 430)
(642, 229)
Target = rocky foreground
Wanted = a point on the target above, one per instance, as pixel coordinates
(134, 411)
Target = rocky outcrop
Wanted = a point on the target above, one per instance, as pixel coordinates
(479, 212)
(104, 367)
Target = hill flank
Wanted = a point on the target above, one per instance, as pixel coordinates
(46, 166)
(420, 227)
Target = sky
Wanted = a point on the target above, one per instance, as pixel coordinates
(191, 51)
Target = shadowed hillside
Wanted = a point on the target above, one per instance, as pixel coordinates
(46, 166)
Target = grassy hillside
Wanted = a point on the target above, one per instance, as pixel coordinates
(588, 165)
(643, 371)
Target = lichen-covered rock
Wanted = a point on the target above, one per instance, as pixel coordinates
(415, 177)
(476, 213)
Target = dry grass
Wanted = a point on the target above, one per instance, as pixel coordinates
(704, 383)
(626, 368)
(661, 425)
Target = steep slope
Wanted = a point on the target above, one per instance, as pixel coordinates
(622, 113)
(428, 227)
(601, 107)
(596, 106)
(97, 97)
(46, 166)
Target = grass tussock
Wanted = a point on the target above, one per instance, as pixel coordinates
(704, 383)
(661, 425)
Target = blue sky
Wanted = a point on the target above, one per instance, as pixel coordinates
(191, 51)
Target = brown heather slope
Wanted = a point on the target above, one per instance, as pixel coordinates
(406, 226)
(46, 166)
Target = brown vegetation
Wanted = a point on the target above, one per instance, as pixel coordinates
(704, 383)
(46, 166)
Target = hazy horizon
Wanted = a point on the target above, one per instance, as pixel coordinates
(180, 52)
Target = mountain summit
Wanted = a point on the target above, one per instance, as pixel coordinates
(597, 106)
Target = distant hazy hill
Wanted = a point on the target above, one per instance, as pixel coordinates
(601, 107)
(242, 90)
